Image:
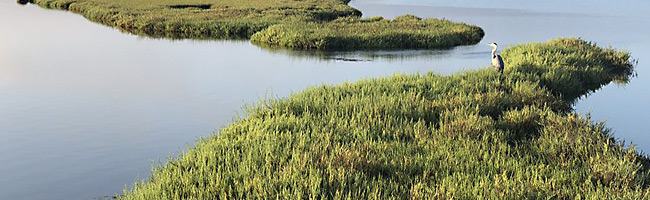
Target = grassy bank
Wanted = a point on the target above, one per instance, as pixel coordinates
(403, 32)
(304, 24)
(201, 18)
(472, 135)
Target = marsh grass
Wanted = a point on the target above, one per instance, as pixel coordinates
(349, 33)
(201, 18)
(304, 24)
(564, 71)
(472, 135)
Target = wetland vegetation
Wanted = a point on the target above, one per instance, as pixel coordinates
(200, 18)
(476, 134)
(304, 24)
(403, 32)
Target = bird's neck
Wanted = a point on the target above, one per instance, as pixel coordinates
(494, 52)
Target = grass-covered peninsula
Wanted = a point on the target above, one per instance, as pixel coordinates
(201, 18)
(405, 32)
(232, 19)
(473, 135)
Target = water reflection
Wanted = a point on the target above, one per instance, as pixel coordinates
(86, 109)
(365, 55)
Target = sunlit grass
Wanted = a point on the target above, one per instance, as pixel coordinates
(404, 32)
(303, 24)
(201, 18)
(473, 135)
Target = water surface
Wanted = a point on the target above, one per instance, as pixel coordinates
(86, 109)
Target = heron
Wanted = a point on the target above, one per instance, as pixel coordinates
(497, 61)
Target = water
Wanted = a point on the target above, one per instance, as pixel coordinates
(86, 109)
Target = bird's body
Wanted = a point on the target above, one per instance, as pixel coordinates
(497, 61)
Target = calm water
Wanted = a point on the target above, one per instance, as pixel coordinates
(86, 109)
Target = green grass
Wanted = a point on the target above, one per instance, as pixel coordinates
(403, 32)
(299, 24)
(201, 18)
(472, 135)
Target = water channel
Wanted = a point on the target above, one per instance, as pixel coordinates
(85, 109)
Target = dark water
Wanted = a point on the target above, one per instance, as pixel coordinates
(85, 109)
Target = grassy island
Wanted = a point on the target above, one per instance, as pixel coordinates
(232, 19)
(472, 135)
(201, 18)
(404, 32)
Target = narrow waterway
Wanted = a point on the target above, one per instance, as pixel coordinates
(85, 109)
